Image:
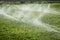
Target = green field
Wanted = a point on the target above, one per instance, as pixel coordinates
(25, 28)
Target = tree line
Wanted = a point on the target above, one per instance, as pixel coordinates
(28, 1)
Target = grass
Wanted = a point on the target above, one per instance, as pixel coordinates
(13, 30)
(10, 30)
(52, 19)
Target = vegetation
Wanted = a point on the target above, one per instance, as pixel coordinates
(29, 1)
(13, 30)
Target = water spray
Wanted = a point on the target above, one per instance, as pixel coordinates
(20, 14)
